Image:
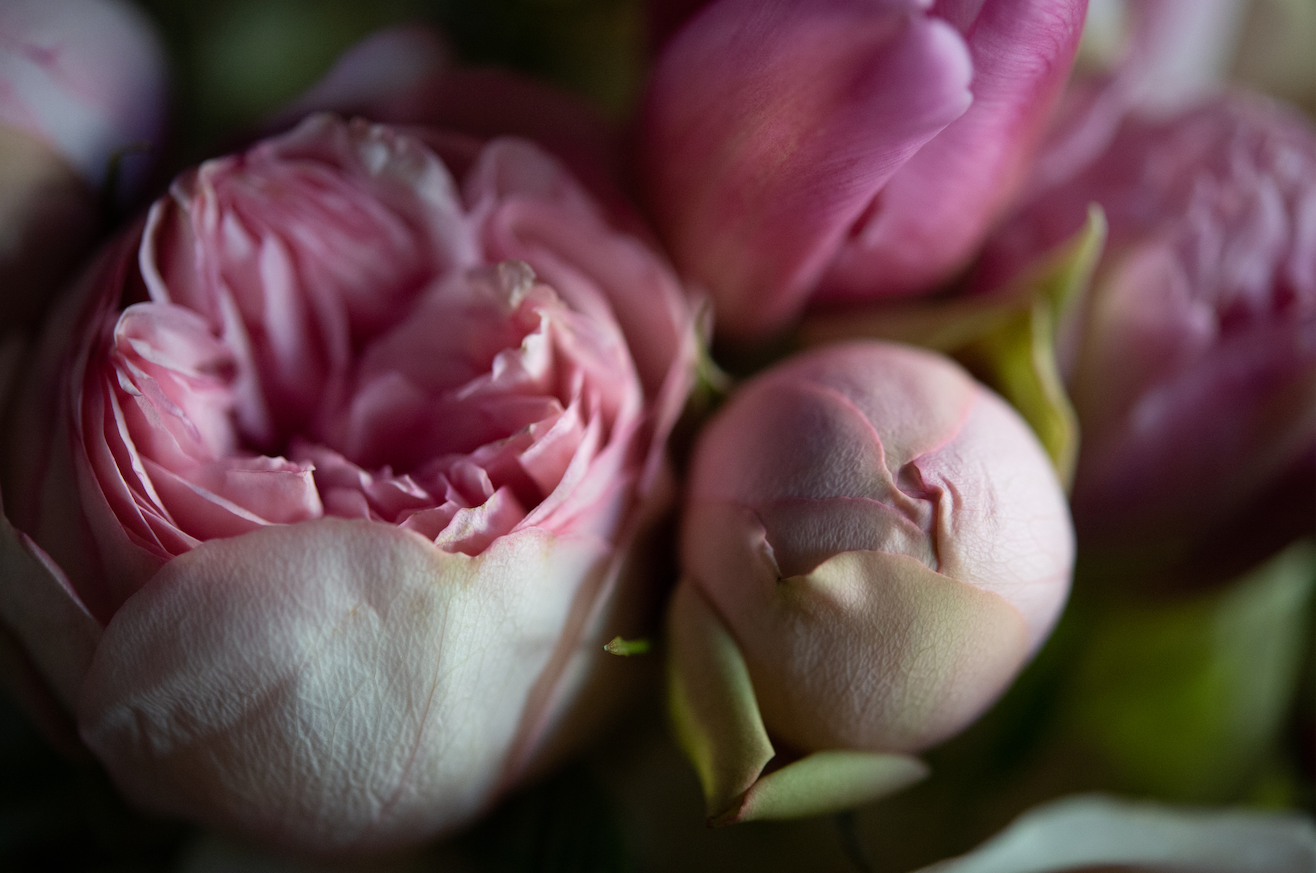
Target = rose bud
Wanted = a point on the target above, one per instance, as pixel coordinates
(320, 489)
(844, 150)
(1192, 360)
(81, 81)
(872, 544)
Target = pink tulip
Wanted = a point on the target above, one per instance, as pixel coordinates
(80, 81)
(1193, 368)
(884, 539)
(321, 486)
(847, 149)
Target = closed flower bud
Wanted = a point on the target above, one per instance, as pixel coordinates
(884, 540)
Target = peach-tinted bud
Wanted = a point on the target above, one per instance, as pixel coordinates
(885, 541)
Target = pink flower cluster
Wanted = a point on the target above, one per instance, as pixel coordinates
(328, 477)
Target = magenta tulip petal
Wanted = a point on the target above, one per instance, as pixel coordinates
(770, 127)
(934, 212)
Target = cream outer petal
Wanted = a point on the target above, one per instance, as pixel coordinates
(335, 685)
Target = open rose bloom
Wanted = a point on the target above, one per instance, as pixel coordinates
(1192, 359)
(320, 487)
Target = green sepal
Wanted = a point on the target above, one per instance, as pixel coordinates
(717, 723)
(1007, 339)
(824, 783)
(711, 702)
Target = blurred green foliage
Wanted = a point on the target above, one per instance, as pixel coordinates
(236, 61)
(1186, 699)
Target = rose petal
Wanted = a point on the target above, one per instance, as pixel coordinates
(272, 682)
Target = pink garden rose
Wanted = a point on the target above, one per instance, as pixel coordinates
(844, 150)
(883, 538)
(1193, 364)
(320, 488)
(80, 81)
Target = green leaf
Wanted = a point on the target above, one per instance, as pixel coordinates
(1185, 700)
(1007, 339)
(711, 702)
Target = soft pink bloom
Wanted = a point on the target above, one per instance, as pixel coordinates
(85, 76)
(322, 483)
(885, 540)
(844, 149)
(80, 80)
(1193, 363)
(1150, 57)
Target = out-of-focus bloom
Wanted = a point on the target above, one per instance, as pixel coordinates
(1192, 365)
(1151, 57)
(322, 485)
(80, 81)
(886, 543)
(1099, 833)
(85, 76)
(844, 150)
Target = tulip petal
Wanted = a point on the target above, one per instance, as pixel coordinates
(937, 208)
(317, 684)
(772, 125)
(711, 702)
(825, 783)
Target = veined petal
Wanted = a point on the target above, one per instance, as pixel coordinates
(770, 126)
(286, 665)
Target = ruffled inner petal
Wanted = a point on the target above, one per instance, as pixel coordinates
(335, 349)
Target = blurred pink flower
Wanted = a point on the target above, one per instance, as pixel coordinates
(85, 76)
(884, 539)
(844, 150)
(80, 81)
(1192, 365)
(322, 484)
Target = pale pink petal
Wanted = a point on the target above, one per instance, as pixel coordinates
(771, 126)
(271, 682)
